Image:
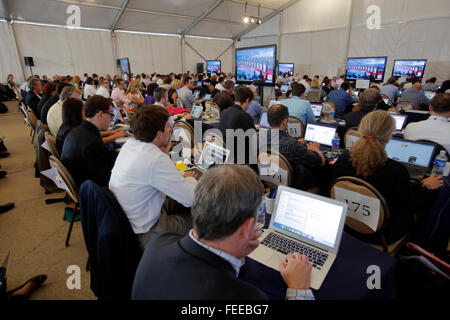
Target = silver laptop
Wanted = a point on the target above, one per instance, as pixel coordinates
(317, 109)
(196, 111)
(415, 156)
(263, 122)
(400, 121)
(323, 134)
(212, 154)
(306, 223)
(429, 94)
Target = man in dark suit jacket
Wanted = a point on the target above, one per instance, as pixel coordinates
(205, 264)
(34, 96)
(84, 154)
(235, 118)
(368, 100)
(225, 99)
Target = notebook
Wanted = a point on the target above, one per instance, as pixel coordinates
(415, 156)
(306, 223)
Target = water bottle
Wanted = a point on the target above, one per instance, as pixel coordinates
(332, 115)
(439, 164)
(335, 143)
(261, 215)
(179, 103)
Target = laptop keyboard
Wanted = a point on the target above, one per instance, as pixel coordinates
(197, 171)
(416, 173)
(285, 246)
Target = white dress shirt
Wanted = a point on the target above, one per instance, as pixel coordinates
(118, 97)
(141, 178)
(435, 128)
(103, 91)
(219, 87)
(89, 90)
(54, 117)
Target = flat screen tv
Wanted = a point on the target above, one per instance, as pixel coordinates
(371, 68)
(284, 67)
(213, 66)
(125, 66)
(256, 64)
(410, 67)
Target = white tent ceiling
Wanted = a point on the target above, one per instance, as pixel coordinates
(209, 18)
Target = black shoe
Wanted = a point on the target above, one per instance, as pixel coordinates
(6, 207)
(39, 280)
(2, 173)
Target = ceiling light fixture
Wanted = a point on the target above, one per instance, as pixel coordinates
(252, 19)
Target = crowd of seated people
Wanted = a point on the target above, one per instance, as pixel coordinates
(157, 198)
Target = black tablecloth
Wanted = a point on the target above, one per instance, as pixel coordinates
(347, 278)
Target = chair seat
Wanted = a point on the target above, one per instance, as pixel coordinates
(393, 247)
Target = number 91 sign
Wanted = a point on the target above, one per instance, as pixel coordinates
(360, 207)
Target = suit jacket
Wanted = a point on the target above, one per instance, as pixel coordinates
(353, 119)
(113, 247)
(47, 105)
(180, 269)
(86, 156)
(223, 100)
(32, 100)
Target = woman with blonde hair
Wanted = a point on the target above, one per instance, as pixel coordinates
(173, 94)
(134, 97)
(368, 160)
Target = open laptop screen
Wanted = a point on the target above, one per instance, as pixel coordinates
(263, 120)
(317, 109)
(429, 94)
(272, 102)
(406, 151)
(211, 155)
(399, 121)
(308, 217)
(319, 133)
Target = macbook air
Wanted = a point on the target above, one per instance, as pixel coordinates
(306, 223)
(429, 94)
(323, 134)
(415, 156)
(317, 109)
(208, 96)
(212, 154)
(400, 120)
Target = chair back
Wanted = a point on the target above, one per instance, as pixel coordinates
(314, 96)
(183, 131)
(295, 127)
(393, 110)
(405, 105)
(32, 119)
(351, 136)
(327, 108)
(208, 105)
(51, 142)
(215, 110)
(274, 169)
(367, 212)
(67, 178)
(215, 138)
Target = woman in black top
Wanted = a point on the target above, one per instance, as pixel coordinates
(47, 93)
(72, 116)
(368, 160)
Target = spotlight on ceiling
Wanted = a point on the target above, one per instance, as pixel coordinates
(246, 19)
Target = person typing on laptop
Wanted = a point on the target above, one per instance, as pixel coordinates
(205, 264)
(144, 175)
(367, 159)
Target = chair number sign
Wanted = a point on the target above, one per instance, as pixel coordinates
(271, 172)
(215, 112)
(294, 129)
(360, 207)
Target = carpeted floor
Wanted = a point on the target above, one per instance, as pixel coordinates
(33, 231)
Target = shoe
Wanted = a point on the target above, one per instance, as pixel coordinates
(38, 280)
(3, 173)
(6, 207)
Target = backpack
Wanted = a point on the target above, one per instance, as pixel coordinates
(3, 108)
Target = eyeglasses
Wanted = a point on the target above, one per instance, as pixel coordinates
(111, 114)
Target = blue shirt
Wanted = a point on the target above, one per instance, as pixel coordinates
(391, 91)
(416, 97)
(255, 110)
(341, 100)
(299, 108)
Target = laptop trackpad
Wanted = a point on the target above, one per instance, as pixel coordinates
(274, 260)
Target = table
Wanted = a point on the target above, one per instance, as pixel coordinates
(346, 280)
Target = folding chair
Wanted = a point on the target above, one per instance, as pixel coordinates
(295, 127)
(274, 169)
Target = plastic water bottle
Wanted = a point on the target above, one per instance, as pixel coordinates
(261, 215)
(331, 115)
(439, 164)
(179, 103)
(335, 143)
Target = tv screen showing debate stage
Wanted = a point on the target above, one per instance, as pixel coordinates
(366, 69)
(286, 68)
(213, 66)
(256, 63)
(406, 68)
(125, 66)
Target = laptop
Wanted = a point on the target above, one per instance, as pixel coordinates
(272, 102)
(196, 93)
(400, 120)
(317, 109)
(306, 223)
(429, 94)
(415, 156)
(321, 133)
(196, 111)
(284, 88)
(263, 122)
(199, 83)
(386, 100)
(212, 154)
(208, 96)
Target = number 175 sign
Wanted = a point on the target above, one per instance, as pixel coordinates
(360, 207)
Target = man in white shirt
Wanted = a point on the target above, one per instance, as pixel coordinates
(144, 175)
(307, 83)
(186, 95)
(340, 80)
(118, 95)
(103, 90)
(219, 86)
(54, 115)
(437, 127)
(89, 88)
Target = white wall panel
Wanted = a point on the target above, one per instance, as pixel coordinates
(9, 61)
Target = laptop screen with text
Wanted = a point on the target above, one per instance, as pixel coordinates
(410, 152)
(317, 109)
(399, 121)
(321, 134)
(308, 217)
(263, 121)
(211, 155)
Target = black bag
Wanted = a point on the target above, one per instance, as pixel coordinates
(3, 108)
(2, 145)
(6, 93)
